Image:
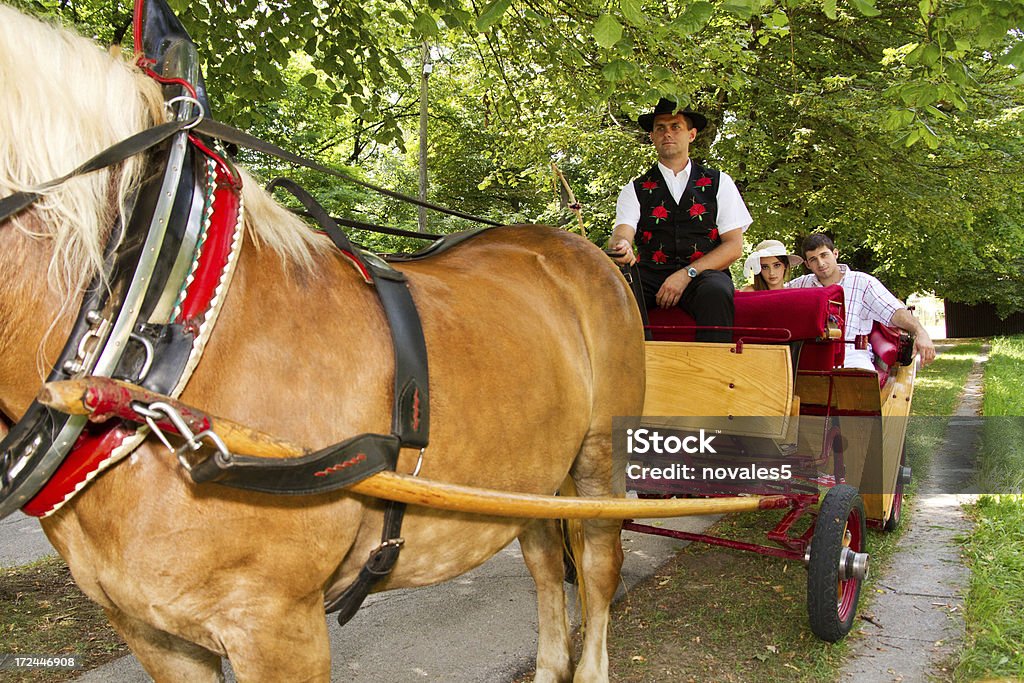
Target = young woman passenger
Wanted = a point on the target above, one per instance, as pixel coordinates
(769, 265)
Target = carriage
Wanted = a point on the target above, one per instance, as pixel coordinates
(122, 269)
(778, 399)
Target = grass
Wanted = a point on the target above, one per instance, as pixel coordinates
(724, 615)
(46, 614)
(994, 608)
(994, 613)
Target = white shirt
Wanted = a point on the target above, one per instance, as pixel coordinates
(732, 212)
(867, 300)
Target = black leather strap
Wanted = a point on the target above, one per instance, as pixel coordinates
(410, 422)
(382, 559)
(118, 152)
(411, 412)
(329, 469)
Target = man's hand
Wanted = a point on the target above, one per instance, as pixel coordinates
(672, 289)
(923, 345)
(624, 249)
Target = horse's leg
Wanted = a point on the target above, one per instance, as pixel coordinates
(164, 656)
(541, 542)
(602, 556)
(279, 641)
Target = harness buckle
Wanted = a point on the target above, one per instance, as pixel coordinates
(193, 442)
(90, 345)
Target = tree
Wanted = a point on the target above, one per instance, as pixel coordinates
(894, 126)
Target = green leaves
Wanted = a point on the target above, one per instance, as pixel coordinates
(492, 14)
(425, 24)
(744, 9)
(866, 7)
(696, 17)
(632, 10)
(607, 31)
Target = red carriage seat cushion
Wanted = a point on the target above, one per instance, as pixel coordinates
(804, 313)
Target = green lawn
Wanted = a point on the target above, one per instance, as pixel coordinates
(994, 613)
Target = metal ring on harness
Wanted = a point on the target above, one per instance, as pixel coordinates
(193, 442)
(191, 100)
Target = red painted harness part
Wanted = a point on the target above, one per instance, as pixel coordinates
(94, 448)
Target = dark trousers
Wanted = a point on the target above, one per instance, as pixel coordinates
(708, 298)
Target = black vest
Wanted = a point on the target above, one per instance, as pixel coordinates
(671, 236)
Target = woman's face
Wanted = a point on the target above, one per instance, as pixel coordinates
(773, 271)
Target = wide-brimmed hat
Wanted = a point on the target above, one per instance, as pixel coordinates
(752, 266)
(664, 106)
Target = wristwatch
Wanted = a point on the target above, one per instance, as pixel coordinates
(691, 271)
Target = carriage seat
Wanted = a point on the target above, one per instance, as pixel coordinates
(813, 316)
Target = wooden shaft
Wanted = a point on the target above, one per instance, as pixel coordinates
(435, 494)
(102, 398)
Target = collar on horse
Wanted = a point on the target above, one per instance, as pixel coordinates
(165, 282)
(167, 278)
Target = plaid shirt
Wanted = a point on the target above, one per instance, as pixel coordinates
(867, 300)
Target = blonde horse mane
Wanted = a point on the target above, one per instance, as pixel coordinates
(65, 99)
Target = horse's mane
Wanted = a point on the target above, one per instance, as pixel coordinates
(65, 99)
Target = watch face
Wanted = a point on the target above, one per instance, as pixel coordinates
(691, 271)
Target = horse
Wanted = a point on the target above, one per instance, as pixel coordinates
(533, 340)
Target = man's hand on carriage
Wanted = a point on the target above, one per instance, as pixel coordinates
(621, 251)
(672, 289)
(924, 347)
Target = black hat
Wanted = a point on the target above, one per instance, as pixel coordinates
(646, 121)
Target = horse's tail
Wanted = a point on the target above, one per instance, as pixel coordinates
(573, 541)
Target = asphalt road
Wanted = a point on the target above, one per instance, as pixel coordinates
(481, 626)
(22, 540)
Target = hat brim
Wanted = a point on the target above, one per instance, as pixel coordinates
(698, 121)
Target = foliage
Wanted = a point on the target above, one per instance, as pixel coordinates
(895, 126)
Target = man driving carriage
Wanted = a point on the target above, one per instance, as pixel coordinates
(688, 221)
(867, 300)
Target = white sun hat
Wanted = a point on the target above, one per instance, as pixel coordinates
(752, 266)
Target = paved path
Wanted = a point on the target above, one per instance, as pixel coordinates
(917, 621)
(22, 540)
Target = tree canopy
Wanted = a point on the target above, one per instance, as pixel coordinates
(894, 126)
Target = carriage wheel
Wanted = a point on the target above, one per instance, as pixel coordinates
(896, 514)
(837, 563)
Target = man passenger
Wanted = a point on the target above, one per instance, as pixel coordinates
(688, 221)
(867, 300)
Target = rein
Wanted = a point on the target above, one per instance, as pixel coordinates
(125, 149)
(149, 138)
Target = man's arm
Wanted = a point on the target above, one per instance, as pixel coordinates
(719, 258)
(923, 345)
